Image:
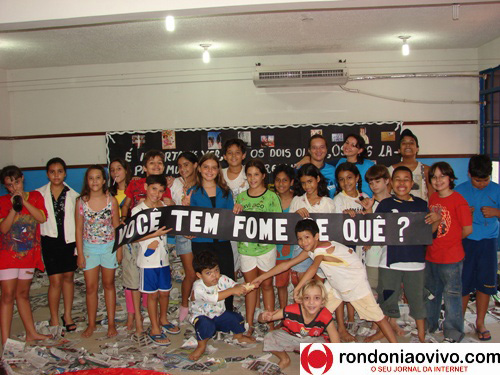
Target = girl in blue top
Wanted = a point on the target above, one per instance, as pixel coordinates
(355, 152)
(211, 191)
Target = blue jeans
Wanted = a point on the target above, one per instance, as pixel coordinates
(445, 280)
(228, 321)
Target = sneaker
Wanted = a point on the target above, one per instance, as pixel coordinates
(448, 340)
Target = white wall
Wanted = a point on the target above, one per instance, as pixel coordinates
(489, 54)
(186, 94)
(5, 146)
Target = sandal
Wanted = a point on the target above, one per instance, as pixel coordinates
(161, 339)
(69, 327)
(483, 336)
(169, 328)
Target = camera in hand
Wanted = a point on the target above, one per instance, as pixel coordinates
(17, 203)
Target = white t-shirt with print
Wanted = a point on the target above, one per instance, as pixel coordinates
(238, 185)
(205, 298)
(159, 258)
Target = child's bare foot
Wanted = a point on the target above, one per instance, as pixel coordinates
(284, 363)
(53, 323)
(112, 332)
(243, 338)
(251, 330)
(130, 321)
(198, 352)
(396, 328)
(37, 337)
(377, 336)
(89, 331)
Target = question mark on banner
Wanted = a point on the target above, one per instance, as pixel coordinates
(406, 223)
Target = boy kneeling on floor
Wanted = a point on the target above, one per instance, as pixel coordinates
(207, 309)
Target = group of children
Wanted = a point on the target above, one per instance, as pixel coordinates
(328, 276)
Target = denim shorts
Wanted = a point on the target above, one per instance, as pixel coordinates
(99, 255)
(182, 245)
(480, 266)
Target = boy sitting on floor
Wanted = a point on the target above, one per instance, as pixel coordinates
(207, 309)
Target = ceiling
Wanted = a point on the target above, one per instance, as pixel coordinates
(253, 34)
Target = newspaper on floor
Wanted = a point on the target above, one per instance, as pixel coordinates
(263, 367)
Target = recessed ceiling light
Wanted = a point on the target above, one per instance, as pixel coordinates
(170, 23)
(206, 54)
(405, 49)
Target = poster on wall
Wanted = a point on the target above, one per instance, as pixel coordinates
(276, 144)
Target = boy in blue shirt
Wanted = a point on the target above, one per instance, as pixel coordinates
(480, 264)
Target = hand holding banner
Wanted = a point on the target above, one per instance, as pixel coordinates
(278, 228)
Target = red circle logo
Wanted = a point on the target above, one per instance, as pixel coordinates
(316, 359)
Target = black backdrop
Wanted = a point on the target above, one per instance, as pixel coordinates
(274, 144)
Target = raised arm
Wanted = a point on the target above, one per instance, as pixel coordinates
(270, 316)
(282, 267)
(309, 274)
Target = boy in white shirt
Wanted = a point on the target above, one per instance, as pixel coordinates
(154, 267)
(207, 309)
(345, 275)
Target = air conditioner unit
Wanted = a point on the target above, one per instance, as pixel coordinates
(279, 76)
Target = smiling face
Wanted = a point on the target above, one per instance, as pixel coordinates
(210, 276)
(95, 180)
(318, 150)
(347, 182)
(56, 174)
(402, 183)
(209, 170)
(234, 156)
(154, 193)
(154, 166)
(439, 181)
(310, 184)
(408, 147)
(312, 300)
(186, 168)
(117, 173)
(350, 147)
(307, 241)
(282, 183)
(255, 178)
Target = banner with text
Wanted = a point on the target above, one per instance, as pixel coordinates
(277, 228)
(277, 144)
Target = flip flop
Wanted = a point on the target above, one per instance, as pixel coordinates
(158, 338)
(481, 335)
(69, 327)
(169, 329)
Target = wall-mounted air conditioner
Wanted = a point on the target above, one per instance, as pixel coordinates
(297, 76)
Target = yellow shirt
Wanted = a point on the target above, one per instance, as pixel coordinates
(120, 197)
